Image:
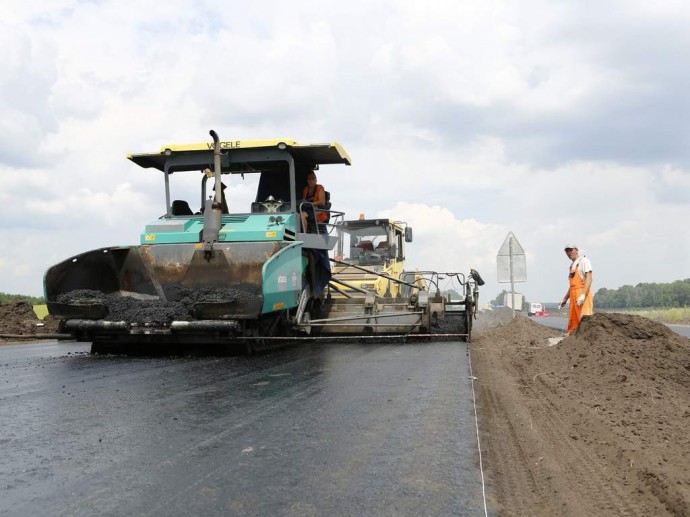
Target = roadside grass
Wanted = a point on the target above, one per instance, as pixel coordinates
(674, 316)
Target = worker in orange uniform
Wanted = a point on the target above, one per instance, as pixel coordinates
(580, 289)
(315, 194)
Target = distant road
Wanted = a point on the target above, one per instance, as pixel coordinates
(557, 323)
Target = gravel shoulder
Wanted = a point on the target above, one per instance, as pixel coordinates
(593, 425)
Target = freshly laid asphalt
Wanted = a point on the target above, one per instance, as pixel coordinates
(315, 429)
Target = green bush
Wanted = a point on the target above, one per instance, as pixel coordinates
(643, 296)
(13, 298)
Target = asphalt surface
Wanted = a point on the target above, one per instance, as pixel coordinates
(327, 429)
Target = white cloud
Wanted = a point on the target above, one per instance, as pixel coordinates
(444, 242)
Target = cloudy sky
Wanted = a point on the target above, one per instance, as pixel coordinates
(559, 121)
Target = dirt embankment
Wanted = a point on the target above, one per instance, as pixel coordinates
(596, 424)
(19, 319)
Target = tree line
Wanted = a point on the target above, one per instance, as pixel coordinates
(13, 298)
(642, 296)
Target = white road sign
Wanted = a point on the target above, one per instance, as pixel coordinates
(511, 261)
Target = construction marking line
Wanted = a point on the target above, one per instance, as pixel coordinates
(476, 425)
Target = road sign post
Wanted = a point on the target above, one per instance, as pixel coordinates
(512, 265)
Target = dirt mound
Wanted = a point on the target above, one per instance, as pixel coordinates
(19, 319)
(519, 331)
(610, 349)
(600, 418)
(620, 326)
(493, 318)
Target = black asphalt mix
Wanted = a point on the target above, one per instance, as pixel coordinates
(316, 429)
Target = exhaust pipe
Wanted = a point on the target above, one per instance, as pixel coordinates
(213, 207)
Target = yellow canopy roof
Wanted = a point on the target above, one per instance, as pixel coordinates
(317, 153)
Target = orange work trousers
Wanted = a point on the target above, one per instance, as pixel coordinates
(577, 287)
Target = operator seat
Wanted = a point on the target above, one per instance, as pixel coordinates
(181, 207)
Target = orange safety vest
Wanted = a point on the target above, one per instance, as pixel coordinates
(320, 216)
(577, 287)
